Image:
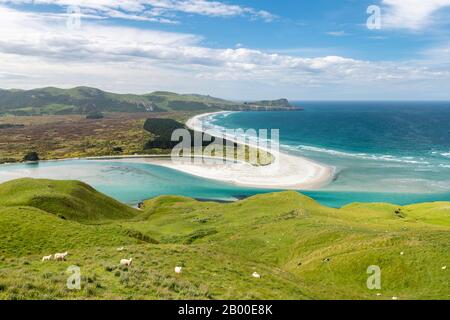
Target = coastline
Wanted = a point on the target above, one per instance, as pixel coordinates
(288, 172)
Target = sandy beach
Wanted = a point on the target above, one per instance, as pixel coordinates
(287, 172)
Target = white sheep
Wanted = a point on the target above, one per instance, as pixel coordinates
(444, 267)
(60, 256)
(47, 258)
(178, 269)
(126, 262)
(120, 249)
(256, 275)
(394, 298)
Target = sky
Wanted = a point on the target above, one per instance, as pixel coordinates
(234, 49)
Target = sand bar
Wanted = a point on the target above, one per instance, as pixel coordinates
(287, 172)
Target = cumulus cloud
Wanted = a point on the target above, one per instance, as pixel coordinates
(154, 10)
(411, 14)
(43, 51)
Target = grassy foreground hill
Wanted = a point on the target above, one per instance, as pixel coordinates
(86, 100)
(72, 200)
(301, 249)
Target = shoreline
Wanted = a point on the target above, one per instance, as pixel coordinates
(286, 173)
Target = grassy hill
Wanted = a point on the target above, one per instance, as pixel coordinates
(302, 249)
(86, 100)
(71, 200)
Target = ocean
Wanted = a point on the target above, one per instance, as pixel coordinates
(382, 151)
(397, 152)
(128, 182)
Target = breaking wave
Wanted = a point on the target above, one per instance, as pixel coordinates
(364, 156)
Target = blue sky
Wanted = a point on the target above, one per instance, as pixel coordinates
(250, 49)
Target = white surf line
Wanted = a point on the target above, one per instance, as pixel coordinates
(287, 172)
(290, 173)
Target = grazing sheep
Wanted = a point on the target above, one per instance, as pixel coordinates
(61, 256)
(394, 298)
(256, 275)
(178, 269)
(126, 262)
(444, 267)
(402, 253)
(378, 294)
(47, 258)
(120, 249)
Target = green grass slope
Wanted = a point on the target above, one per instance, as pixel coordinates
(27, 231)
(292, 232)
(85, 100)
(302, 250)
(71, 200)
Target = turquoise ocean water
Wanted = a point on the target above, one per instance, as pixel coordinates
(383, 152)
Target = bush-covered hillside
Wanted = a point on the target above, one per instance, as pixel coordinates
(162, 129)
(86, 100)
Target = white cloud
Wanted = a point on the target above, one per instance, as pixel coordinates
(411, 14)
(154, 10)
(439, 54)
(337, 33)
(38, 50)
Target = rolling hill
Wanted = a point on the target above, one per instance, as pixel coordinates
(86, 100)
(301, 249)
(71, 200)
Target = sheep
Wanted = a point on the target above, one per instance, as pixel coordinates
(444, 268)
(47, 258)
(120, 249)
(126, 262)
(394, 298)
(60, 256)
(178, 269)
(256, 275)
(402, 253)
